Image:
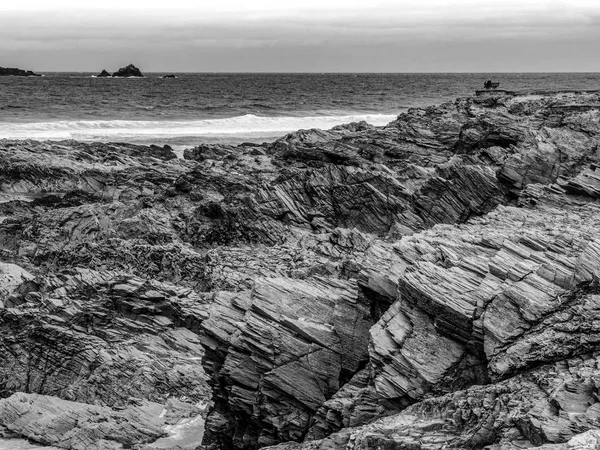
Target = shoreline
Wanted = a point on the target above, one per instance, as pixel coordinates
(228, 130)
(173, 132)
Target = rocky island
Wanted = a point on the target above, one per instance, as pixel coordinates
(123, 72)
(128, 71)
(8, 71)
(430, 284)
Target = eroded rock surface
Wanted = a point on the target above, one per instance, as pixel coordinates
(429, 283)
(551, 404)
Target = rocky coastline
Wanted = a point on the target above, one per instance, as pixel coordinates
(430, 284)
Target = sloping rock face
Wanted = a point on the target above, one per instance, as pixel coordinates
(75, 425)
(128, 71)
(425, 284)
(103, 74)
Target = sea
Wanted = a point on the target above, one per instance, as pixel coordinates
(197, 108)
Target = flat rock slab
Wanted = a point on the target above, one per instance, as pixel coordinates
(77, 426)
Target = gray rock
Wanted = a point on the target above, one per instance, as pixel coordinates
(440, 271)
(128, 71)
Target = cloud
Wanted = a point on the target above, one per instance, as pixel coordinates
(322, 35)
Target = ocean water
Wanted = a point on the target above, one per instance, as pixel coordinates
(221, 107)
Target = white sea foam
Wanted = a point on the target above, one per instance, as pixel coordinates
(159, 131)
(187, 433)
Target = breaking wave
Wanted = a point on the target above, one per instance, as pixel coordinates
(140, 130)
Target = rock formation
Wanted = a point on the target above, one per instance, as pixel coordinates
(169, 76)
(430, 284)
(128, 71)
(103, 74)
(7, 71)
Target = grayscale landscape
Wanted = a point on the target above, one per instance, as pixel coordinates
(236, 243)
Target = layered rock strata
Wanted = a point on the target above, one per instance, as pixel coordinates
(425, 284)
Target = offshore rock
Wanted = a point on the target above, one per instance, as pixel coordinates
(103, 74)
(441, 270)
(7, 71)
(128, 71)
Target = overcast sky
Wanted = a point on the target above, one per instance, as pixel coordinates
(301, 36)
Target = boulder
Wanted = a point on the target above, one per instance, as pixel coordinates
(553, 404)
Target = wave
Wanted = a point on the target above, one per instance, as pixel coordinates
(137, 130)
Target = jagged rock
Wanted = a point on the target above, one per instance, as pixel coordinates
(11, 276)
(103, 74)
(105, 332)
(585, 183)
(552, 404)
(446, 261)
(511, 273)
(128, 71)
(474, 292)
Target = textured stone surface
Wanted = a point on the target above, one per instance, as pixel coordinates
(551, 404)
(78, 426)
(441, 270)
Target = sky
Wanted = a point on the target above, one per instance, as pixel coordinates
(302, 36)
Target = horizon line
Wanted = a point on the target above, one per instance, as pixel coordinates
(332, 72)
